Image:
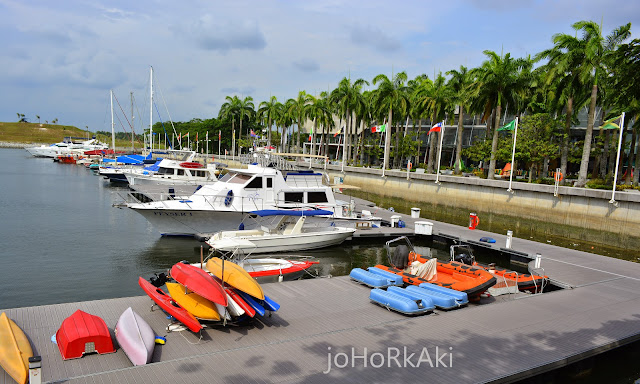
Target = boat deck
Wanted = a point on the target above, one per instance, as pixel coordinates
(500, 341)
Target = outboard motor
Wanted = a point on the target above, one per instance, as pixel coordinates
(464, 258)
(158, 280)
(400, 258)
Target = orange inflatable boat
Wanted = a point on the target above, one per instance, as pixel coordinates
(450, 274)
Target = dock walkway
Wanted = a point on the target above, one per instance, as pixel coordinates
(322, 319)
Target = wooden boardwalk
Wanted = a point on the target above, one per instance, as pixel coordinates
(500, 341)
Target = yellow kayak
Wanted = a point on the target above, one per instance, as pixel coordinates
(15, 350)
(235, 276)
(195, 304)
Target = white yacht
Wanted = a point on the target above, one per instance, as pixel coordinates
(221, 205)
(69, 146)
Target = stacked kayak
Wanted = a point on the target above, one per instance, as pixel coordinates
(223, 292)
(450, 274)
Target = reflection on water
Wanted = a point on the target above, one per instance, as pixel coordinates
(597, 242)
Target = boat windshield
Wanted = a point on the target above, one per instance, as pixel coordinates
(236, 178)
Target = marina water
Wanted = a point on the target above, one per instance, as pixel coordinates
(62, 240)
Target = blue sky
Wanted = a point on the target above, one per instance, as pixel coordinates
(59, 59)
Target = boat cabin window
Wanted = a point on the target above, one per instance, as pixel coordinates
(269, 182)
(255, 183)
(198, 173)
(180, 172)
(317, 197)
(293, 197)
(236, 178)
(165, 171)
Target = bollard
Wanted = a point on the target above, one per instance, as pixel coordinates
(35, 370)
(536, 264)
(509, 237)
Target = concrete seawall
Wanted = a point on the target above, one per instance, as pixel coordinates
(573, 207)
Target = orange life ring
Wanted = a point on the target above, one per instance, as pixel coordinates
(559, 177)
(409, 166)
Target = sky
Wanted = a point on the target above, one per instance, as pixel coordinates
(60, 59)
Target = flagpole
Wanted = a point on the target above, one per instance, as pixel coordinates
(615, 176)
(513, 155)
(344, 142)
(439, 154)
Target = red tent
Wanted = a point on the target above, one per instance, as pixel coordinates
(83, 333)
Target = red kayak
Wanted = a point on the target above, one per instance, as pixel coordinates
(172, 308)
(248, 310)
(200, 282)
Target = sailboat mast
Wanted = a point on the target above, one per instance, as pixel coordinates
(132, 124)
(151, 108)
(113, 133)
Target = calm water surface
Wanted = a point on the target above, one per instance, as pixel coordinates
(62, 241)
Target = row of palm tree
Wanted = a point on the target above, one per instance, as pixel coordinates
(585, 69)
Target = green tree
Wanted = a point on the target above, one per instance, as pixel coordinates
(460, 85)
(592, 51)
(497, 82)
(537, 140)
(391, 94)
(269, 110)
(229, 110)
(298, 109)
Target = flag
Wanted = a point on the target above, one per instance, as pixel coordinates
(310, 133)
(196, 136)
(339, 132)
(179, 136)
(253, 134)
(186, 135)
(379, 128)
(435, 128)
(509, 127)
(219, 135)
(611, 123)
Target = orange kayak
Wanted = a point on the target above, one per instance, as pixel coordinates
(451, 274)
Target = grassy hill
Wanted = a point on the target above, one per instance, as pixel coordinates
(38, 133)
(49, 133)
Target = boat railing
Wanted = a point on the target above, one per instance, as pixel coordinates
(533, 271)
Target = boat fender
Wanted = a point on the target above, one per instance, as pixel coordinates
(229, 199)
(488, 239)
(241, 227)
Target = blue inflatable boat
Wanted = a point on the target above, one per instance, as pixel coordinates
(397, 303)
(425, 299)
(373, 280)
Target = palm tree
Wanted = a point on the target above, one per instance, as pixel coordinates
(589, 54)
(298, 109)
(347, 96)
(269, 110)
(390, 94)
(460, 84)
(319, 112)
(497, 83)
(229, 110)
(245, 107)
(435, 99)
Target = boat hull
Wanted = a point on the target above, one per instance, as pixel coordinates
(164, 301)
(200, 282)
(135, 337)
(288, 243)
(15, 350)
(190, 222)
(235, 276)
(195, 304)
